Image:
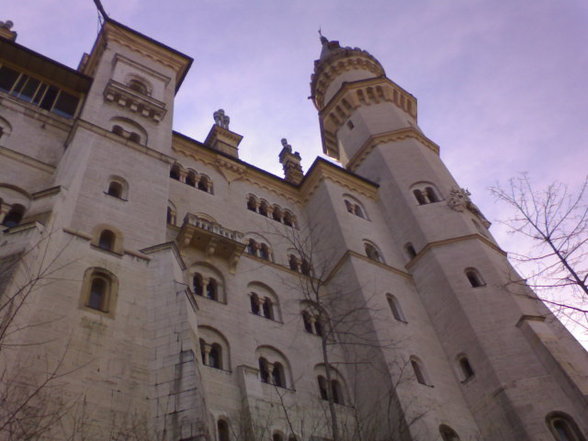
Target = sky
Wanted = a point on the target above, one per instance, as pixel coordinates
(501, 85)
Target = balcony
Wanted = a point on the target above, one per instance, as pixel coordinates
(211, 238)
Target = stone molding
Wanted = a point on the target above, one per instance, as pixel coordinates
(392, 136)
(123, 96)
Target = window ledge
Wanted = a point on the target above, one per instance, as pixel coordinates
(107, 251)
(115, 197)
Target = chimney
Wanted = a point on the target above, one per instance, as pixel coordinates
(221, 138)
(291, 163)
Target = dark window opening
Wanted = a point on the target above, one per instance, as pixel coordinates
(106, 240)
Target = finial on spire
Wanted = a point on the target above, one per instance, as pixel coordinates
(324, 40)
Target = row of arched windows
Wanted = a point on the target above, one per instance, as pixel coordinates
(561, 425)
(258, 249)
(191, 178)
(206, 287)
(274, 211)
(300, 265)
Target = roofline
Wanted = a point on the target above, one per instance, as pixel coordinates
(44, 58)
(316, 163)
(189, 60)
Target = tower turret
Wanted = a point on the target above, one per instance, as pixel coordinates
(355, 100)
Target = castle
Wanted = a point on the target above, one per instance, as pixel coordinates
(157, 287)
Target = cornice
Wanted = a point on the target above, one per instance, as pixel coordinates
(391, 136)
(235, 169)
(441, 243)
(322, 170)
(80, 123)
(28, 160)
(349, 254)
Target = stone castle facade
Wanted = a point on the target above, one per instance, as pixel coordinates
(158, 287)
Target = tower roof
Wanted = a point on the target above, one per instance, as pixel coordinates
(331, 55)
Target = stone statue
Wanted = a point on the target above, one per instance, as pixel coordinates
(220, 119)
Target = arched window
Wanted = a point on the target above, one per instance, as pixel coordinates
(263, 208)
(254, 299)
(447, 433)
(358, 211)
(335, 389)
(115, 189)
(288, 219)
(372, 252)
(252, 203)
(419, 371)
(174, 173)
(277, 213)
(214, 348)
(98, 294)
(135, 137)
(420, 197)
(305, 267)
(264, 252)
(171, 215)
(212, 289)
(465, 368)
(293, 262)
(278, 376)
(395, 308)
(349, 206)
(106, 240)
(198, 285)
(208, 282)
(431, 194)
(307, 322)
(252, 247)
(563, 427)
(425, 193)
(118, 130)
(14, 216)
(264, 374)
(99, 290)
(138, 86)
(410, 251)
(191, 179)
(215, 356)
(205, 184)
(268, 311)
(337, 392)
(322, 384)
(474, 277)
(222, 428)
(277, 437)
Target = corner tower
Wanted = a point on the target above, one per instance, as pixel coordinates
(526, 375)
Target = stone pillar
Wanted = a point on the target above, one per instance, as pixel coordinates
(291, 163)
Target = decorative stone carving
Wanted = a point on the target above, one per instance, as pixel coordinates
(133, 101)
(220, 119)
(459, 200)
(291, 163)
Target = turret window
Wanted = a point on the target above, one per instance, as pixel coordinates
(99, 290)
(425, 193)
(474, 278)
(563, 427)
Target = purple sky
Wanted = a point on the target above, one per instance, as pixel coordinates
(501, 85)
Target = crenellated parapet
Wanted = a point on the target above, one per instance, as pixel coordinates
(336, 60)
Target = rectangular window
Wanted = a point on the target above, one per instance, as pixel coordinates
(65, 105)
(35, 91)
(7, 78)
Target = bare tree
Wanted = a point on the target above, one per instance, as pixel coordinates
(555, 219)
(342, 320)
(30, 403)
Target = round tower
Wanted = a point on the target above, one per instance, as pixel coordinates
(350, 81)
(469, 290)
